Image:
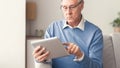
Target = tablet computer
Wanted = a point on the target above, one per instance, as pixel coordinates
(54, 45)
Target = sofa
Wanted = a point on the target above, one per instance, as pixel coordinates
(111, 55)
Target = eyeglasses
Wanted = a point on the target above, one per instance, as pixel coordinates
(64, 8)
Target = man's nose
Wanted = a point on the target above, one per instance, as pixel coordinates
(68, 11)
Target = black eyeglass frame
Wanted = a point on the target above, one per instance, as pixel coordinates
(71, 7)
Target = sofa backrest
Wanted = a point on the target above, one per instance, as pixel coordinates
(111, 51)
(116, 43)
(108, 53)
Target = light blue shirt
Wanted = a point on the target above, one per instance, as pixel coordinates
(89, 38)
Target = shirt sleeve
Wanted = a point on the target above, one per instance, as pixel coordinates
(78, 59)
(45, 64)
(42, 65)
(94, 59)
(49, 32)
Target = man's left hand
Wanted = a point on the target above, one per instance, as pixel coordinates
(73, 49)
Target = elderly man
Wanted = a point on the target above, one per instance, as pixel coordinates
(83, 39)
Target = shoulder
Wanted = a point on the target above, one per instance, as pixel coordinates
(91, 26)
(94, 31)
(57, 23)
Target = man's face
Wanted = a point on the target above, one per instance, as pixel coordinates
(72, 10)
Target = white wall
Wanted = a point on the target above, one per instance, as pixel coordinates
(12, 34)
(100, 12)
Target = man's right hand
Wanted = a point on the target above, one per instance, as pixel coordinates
(40, 54)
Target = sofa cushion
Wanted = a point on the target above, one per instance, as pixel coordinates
(108, 53)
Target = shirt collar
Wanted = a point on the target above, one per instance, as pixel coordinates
(81, 25)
